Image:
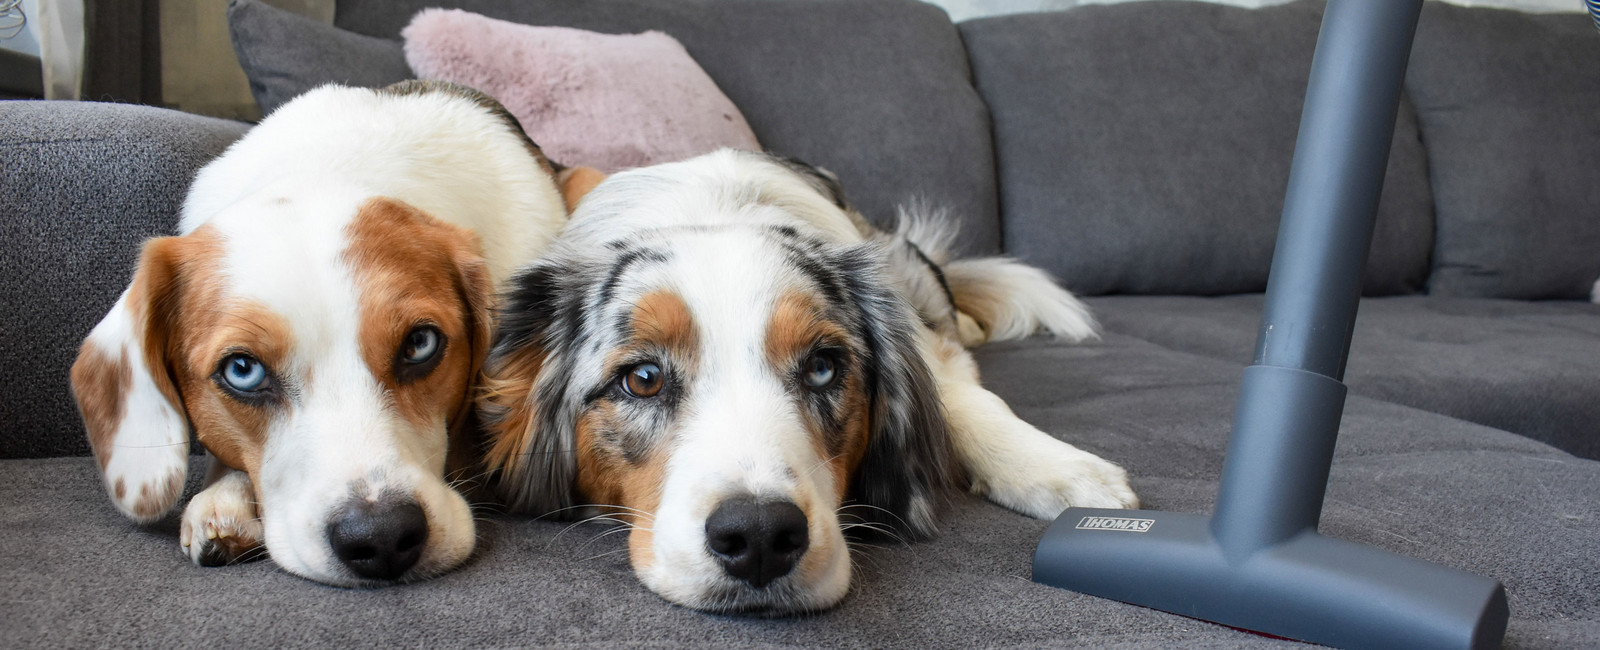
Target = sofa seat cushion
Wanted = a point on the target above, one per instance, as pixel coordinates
(877, 91)
(1144, 147)
(1509, 104)
(1412, 482)
(82, 184)
(1528, 367)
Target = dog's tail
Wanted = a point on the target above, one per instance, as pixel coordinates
(996, 298)
(1011, 300)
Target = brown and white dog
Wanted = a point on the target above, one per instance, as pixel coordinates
(723, 355)
(319, 323)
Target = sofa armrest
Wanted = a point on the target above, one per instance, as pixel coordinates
(81, 185)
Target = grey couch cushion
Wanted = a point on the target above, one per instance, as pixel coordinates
(1407, 481)
(1145, 147)
(1510, 108)
(284, 54)
(1530, 368)
(83, 185)
(877, 91)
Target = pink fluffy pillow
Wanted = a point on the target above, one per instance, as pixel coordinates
(605, 101)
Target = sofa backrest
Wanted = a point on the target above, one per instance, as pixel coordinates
(1144, 147)
(878, 91)
(83, 184)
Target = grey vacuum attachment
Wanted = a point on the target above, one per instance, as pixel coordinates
(1259, 563)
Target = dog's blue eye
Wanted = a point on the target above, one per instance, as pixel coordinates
(644, 380)
(819, 370)
(244, 373)
(421, 344)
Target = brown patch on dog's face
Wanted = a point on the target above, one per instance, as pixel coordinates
(619, 459)
(416, 274)
(233, 430)
(839, 428)
(606, 477)
(191, 325)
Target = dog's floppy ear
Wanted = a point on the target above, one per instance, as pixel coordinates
(130, 404)
(477, 297)
(909, 464)
(576, 182)
(530, 456)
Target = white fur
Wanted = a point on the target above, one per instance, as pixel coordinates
(281, 198)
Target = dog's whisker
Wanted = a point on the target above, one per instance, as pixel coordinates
(869, 506)
(822, 463)
(601, 555)
(592, 540)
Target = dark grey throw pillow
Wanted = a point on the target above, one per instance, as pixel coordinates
(1144, 148)
(1510, 109)
(285, 54)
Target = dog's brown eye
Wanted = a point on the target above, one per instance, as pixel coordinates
(643, 380)
(819, 370)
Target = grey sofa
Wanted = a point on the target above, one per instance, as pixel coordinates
(1137, 151)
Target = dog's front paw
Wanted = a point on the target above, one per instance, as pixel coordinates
(1059, 478)
(220, 524)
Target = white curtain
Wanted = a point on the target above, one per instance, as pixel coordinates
(60, 33)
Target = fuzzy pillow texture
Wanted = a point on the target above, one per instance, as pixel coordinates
(601, 100)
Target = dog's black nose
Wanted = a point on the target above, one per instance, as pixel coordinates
(757, 542)
(379, 539)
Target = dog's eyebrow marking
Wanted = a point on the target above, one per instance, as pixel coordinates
(807, 261)
(625, 261)
(662, 318)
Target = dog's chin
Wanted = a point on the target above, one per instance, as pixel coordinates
(790, 595)
(783, 597)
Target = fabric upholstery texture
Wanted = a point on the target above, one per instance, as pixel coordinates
(284, 54)
(891, 111)
(1424, 485)
(1162, 132)
(1528, 367)
(83, 184)
(609, 101)
(1509, 105)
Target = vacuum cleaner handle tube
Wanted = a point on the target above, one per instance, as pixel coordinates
(1276, 472)
(1334, 183)
(1258, 563)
